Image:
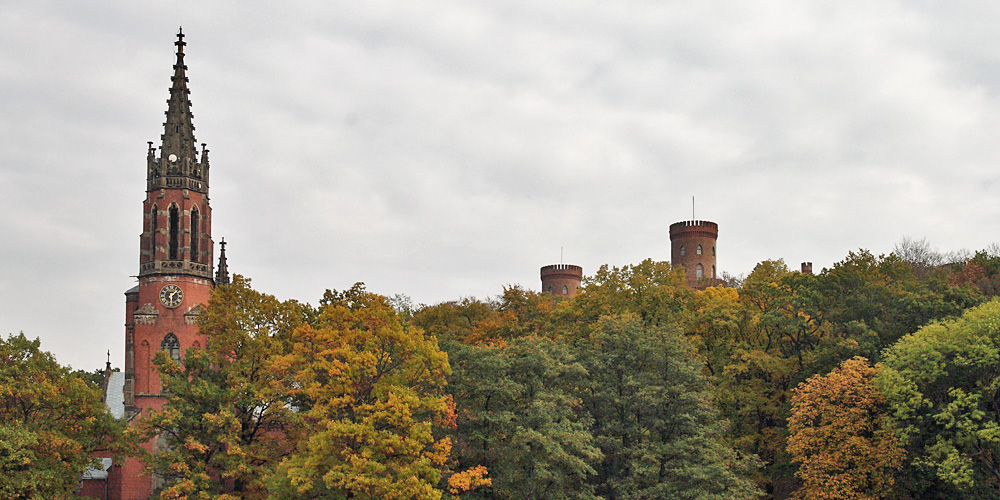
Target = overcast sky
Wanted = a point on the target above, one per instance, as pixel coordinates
(447, 149)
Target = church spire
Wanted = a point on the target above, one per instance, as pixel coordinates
(178, 153)
(222, 272)
(178, 131)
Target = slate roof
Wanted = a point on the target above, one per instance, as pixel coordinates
(98, 473)
(115, 398)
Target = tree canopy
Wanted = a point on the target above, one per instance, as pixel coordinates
(52, 424)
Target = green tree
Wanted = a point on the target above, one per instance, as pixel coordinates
(51, 424)
(654, 418)
(519, 414)
(944, 384)
(226, 419)
(878, 299)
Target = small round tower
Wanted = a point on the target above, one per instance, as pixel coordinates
(561, 279)
(692, 245)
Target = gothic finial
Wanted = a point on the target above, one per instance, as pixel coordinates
(222, 273)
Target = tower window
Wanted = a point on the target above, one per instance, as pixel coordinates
(174, 223)
(172, 346)
(713, 271)
(713, 251)
(683, 252)
(699, 271)
(195, 234)
(152, 233)
(565, 290)
(698, 250)
(550, 288)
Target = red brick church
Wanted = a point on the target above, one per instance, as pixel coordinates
(175, 281)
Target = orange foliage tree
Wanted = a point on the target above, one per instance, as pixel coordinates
(842, 437)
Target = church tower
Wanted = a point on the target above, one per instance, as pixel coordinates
(175, 262)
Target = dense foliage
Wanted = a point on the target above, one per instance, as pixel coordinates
(291, 401)
(226, 420)
(752, 344)
(875, 378)
(52, 424)
(944, 383)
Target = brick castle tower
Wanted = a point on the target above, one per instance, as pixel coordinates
(175, 265)
(561, 279)
(692, 245)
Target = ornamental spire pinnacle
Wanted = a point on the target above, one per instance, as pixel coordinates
(178, 154)
(222, 272)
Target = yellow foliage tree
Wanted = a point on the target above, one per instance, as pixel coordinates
(371, 393)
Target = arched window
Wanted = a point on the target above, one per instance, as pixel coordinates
(195, 234)
(699, 271)
(142, 364)
(152, 233)
(713, 271)
(172, 346)
(698, 250)
(550, 288)
(713, 251)
(565, 290)
(682, 250)
(175, 219)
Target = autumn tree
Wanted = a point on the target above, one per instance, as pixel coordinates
(981, 272)
(51, 424)
(762, 350)
(651, 290)
(456, 320)
(794, 325)
(370, 395)
(841, 435)
(226, 419)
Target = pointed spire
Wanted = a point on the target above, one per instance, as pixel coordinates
(178, 147)
(178, 165)
(222, 273)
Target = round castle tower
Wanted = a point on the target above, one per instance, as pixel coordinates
(692, 245)
(561, 279)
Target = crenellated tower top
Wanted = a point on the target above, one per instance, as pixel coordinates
(178, 165)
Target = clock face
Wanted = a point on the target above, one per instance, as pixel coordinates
(171, 295)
